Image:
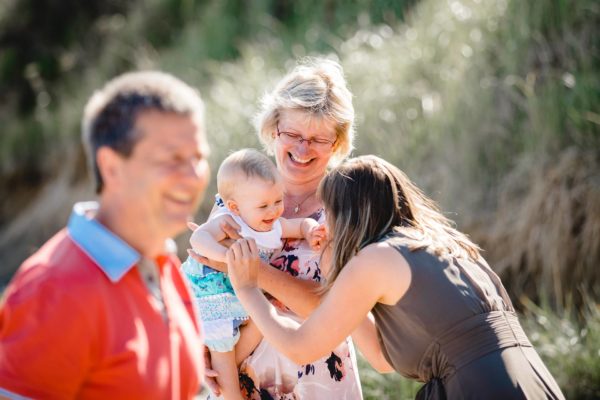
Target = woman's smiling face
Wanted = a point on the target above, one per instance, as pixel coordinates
(300, 162)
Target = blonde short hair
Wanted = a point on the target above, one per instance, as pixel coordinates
(244, 163)
(317, 87)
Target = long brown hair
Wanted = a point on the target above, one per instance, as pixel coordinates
(366, 198)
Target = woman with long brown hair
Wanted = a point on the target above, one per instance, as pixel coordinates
(442, 315)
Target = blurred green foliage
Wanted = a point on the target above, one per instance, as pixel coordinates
(48, 68)
(571, 351)
(467, 96)
(460, 94)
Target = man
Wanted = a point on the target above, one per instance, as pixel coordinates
(101, 310)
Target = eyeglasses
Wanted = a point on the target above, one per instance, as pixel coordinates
(315, 143)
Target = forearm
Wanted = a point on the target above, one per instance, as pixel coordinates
(279, 331)
(365, 338)
(298, 295)
(298, 228)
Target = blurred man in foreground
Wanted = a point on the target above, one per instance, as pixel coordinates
(101, 310)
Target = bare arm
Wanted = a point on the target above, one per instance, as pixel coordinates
(298, 295)
(365, 335)
(305, 228)
(370, 277)
(205, 239)
(298, 228)
(365, 338)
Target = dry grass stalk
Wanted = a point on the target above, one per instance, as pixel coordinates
(544, 238)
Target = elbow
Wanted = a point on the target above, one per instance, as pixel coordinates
(301, 358)
(381, 365)
(301, 355)
(383, 368)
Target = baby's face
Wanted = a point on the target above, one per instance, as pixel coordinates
(260, 202)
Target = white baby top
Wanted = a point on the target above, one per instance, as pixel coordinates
(267, 241)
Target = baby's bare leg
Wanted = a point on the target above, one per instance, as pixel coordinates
(228, 380)
(250, 337)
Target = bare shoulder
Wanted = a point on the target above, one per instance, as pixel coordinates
(381, 253)
(386, 267)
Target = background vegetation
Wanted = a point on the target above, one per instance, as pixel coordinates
(491, 106)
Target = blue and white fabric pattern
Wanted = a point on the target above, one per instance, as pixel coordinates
(220, 310)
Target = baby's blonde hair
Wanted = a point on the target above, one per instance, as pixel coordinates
(243, 164)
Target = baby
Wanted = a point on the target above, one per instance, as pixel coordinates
(251, 196)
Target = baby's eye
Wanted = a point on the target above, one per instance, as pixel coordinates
(263, 206)
(278, 202)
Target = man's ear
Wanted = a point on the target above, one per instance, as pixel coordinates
(109, 164)
(232, 205)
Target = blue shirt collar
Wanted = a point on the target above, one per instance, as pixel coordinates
(112, 255)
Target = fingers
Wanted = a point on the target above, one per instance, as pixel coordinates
(219, 266)
(196, 256)
(192, 225)
(231, 228)
(243, 248)
(234, 253)
(242, 259)
(210, 374)
(321, 231)
(252, 246)
(211, 383)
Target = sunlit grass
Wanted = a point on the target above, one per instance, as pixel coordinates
(569, 347)
(389, 386)
(476, 100)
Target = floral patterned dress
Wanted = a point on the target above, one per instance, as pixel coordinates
(267, 374)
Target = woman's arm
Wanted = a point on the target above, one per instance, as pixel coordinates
(368, 278)
(300, 296)
(365, 338)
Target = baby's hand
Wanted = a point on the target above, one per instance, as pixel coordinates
(317, 236)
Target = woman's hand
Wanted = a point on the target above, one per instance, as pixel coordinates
(210, 375)
(216, 265)
(230, 228)
(243, 262)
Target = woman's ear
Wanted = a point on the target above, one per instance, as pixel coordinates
(336, 145)
(232, 205)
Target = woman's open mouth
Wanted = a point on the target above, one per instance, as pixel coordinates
(300, 161)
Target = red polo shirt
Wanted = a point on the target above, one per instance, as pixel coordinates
(73, 328)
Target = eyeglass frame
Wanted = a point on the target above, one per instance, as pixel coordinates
(297, 138)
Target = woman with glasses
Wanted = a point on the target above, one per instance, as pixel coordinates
(307, 124)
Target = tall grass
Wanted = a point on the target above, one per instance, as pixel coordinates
(385, 386)
(570, 349)
(491, 106)
(464, 96)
